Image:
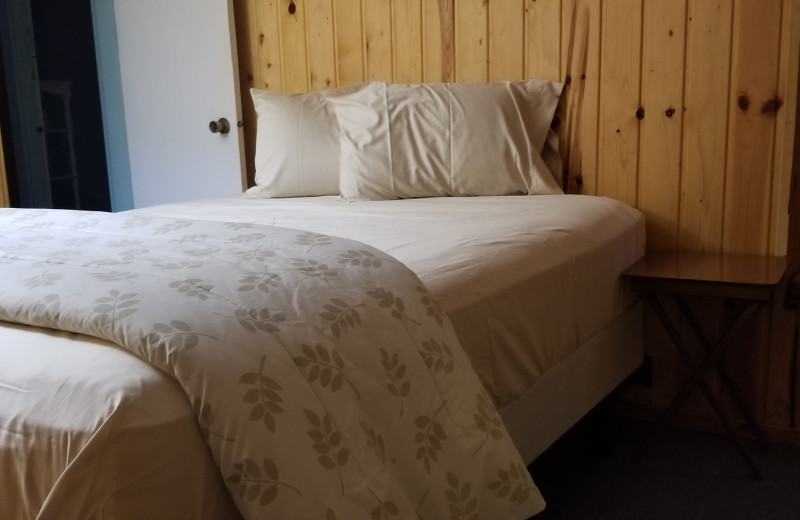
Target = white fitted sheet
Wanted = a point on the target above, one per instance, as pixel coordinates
(524, 279)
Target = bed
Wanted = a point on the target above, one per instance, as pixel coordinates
(339, 342)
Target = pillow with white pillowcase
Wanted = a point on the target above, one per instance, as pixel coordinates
(445, 139)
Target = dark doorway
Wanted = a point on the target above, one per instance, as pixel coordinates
(64, 133)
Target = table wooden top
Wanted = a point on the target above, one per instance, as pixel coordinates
(710, 267)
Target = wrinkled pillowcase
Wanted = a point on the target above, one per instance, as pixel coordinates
(297, 144)
(445, 139)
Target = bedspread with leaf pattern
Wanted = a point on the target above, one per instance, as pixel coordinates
(327, 381)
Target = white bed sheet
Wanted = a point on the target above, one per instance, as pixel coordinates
(524, 279)
(522, 309)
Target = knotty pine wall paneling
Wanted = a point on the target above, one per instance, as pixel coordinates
(685, 109)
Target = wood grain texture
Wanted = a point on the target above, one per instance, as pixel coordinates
(321, 45)
(407, 41)
(542, 39)
(349, 42)
(733, 168)
(705, 124)
(506, 38)
(751, 131)
(619, 100)
(580, 63)
(378, 39)
(294, 56)
(663, 48)
(785, 126)
(471, 35)
(437, 40)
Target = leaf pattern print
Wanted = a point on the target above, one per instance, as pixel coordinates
(257, 253)
(514, 484)
(263, 319)
(315, 269)
(84, 225)
(328, 444)
(438, 356)
(264, 396)
(360, 258)
(395, 372)
(261, 281)
(256, 482)
(487, 419)
(387, 300)
(178, 334)
(406, 399)
(115, 276)
(172, 226)
(137, 222)
(249, 237)
(461, 503)
(193, 287)
(175, 266)
(43, 280)
(115, 306)
(375, 441)
(432, 307)
(342, 316)
(313, 239)
(384, 510)
(197, 237)
(429, 436)
(326, 367)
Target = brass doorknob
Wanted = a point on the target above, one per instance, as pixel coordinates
(219, 127)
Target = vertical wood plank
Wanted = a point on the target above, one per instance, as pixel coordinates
(580, 62)
(748, 182)
(268, 69)
(407, 42)
(349, 42)
(785, 126)
(445, 51)
(294, 57)
(471, 46)
(663, 46)
(378, 39)
(506, 24)
(543, 39)
(434, 41)
(708, 31)
(620, 63)
(321, 44)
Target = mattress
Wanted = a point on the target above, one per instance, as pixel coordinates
(526, 281)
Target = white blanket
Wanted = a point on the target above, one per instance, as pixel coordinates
(324, 376)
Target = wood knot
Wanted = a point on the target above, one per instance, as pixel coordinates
(772, 105)
(743, 102)
(568, 80)
(670, 112)
(292, 8)
(640, 114)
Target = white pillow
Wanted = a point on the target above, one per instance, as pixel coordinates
(445, 139)
(297, 144)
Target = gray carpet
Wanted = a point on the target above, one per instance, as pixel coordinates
(591, 474)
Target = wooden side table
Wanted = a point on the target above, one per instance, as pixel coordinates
(664, 276)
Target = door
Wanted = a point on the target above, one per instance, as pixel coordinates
(177, 62)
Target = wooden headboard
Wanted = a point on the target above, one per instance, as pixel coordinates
(682, 108)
